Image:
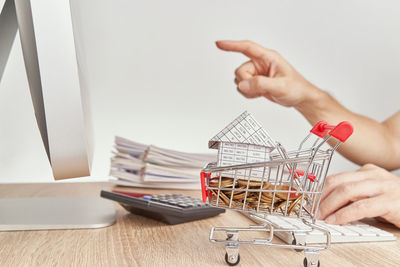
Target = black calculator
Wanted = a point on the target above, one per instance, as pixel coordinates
(169, 208)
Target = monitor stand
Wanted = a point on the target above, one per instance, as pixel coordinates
(43, 213)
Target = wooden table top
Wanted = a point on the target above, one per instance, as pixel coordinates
(139, 241)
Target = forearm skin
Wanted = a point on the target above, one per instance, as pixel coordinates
(371, 142)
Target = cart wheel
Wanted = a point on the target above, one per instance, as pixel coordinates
(305, 263)
(230, 261)
(294, 242)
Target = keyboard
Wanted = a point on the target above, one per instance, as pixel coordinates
(349, 233)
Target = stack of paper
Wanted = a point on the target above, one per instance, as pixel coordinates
(139, 165)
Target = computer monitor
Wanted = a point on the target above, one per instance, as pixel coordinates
(60, 102)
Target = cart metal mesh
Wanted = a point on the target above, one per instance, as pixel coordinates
(289, 184)
(279, 191)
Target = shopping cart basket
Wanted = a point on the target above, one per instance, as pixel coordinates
(289, 184)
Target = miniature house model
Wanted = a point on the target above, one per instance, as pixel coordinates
(242, 141)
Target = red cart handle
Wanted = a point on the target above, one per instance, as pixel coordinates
(342, 131)
(300, 173)
(203, 177)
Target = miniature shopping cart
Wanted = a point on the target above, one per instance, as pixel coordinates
(289, 184)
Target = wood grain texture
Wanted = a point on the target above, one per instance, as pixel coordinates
(138, 241)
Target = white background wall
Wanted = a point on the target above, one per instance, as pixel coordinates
(155, 75)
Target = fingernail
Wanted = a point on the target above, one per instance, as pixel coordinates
(331, 219)
(244, 85)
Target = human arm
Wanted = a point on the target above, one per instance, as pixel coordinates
(369, 192)
(269, 75)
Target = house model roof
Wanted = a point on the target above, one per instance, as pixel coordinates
(245, 130)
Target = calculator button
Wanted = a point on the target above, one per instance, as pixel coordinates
(147, 197)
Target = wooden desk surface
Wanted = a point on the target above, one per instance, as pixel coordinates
(138, 241)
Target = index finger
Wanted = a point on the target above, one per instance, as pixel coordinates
(347, 193)
(365, 208)
(335, 180)
(248, 48)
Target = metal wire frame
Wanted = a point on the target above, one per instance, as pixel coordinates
(314, 161)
